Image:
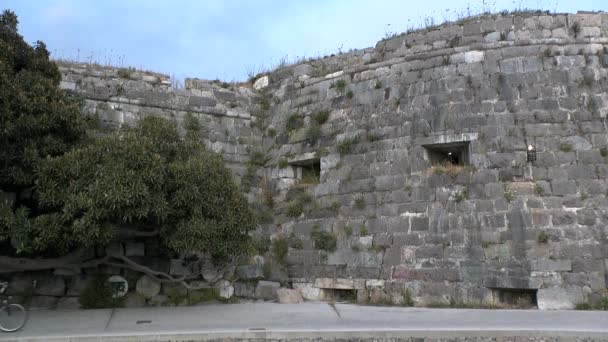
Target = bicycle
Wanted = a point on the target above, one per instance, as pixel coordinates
(12, 316)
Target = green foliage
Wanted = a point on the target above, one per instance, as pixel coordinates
(294, 122)
(202, 295)
(125, 72)
(378, 85)
(295, 209)
(98, 294)
(261, 244)
(601, 305)
(348, 230)
(280, 247)
(604, 152)
(340, 85)
(283, 163)
(538, 189)
(258, 158)
(37, 118)
(335, 206)
(407, 298)
(191, 123)
(346, 145)
(310, 176)
(323, 240)
(146, 178)
(313, 133)
(350, 94)
(565, 147)
(176, 297)
(371, 137)
(461, 196)
(295, 241)
(272, 132)
(509, 195)
(360, 202)
(363, 230)
(543, 237)
(321, 117)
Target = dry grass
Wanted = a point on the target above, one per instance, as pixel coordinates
(450, 169)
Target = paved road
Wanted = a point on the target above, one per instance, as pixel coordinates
(305, 320)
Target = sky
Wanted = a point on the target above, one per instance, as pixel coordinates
(229, 39)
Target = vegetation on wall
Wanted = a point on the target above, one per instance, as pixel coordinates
(76, 193)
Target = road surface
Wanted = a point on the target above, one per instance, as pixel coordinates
(312, 320)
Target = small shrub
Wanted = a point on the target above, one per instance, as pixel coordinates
(323, 240)
(461, 196)
(280, 247)
(348, 230)
(202, 295)
(565, 147)
(321, 117)
(258, 158)
(538, 189)
(176, 297)
(191, 122)
(450, 169)
(313, 133)
(340, 85)
(378, 85)
(98, 294)
(604, 152)
(261, 244)
(407, 298)
(335, 206)
(272, 132)
(363, 230)
(509, 195)
(583, 306)
(346, 145)
(360, 202)
(283, 163)
(295, 209)
(371, 137)
(295, 241)
(294, 122)
(350, 94)
(543, 237)
(125, 72)
(485, 244)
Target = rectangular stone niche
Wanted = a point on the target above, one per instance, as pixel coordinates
(308, 170)
(456, 153)
(516, 298)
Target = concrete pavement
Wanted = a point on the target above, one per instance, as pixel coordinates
(312, 320)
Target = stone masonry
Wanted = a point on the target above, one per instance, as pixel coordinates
(337, 154)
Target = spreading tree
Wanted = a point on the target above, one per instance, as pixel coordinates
(142, 182)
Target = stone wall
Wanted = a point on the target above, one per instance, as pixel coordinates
(499, 227)
(338, 157)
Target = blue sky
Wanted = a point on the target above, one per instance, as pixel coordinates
(228, 38)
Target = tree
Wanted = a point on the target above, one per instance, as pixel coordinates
(141, 182)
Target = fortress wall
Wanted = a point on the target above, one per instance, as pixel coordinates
(498, 83)
(498, 229)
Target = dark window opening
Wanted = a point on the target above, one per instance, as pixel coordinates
(308, 171)
(456, 153)
(515, 298)
(342, 295)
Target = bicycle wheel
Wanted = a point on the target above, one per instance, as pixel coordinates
(12, 317)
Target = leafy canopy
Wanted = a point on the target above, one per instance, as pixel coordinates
(37, 118)
(72, 191)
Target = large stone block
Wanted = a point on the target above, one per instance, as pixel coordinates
(147, 287)
(558, 298)
(267, 290)
(289, 296)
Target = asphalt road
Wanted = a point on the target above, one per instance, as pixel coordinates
(310, 320)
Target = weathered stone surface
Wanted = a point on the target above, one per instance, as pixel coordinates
(225, 289)
(51, 286)
(179, 268)
(68, 303)
(289, 296)
(147, 287)
(557, 298)
(134, 300)
(135, 249)
(267, 290)
(261, 83)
